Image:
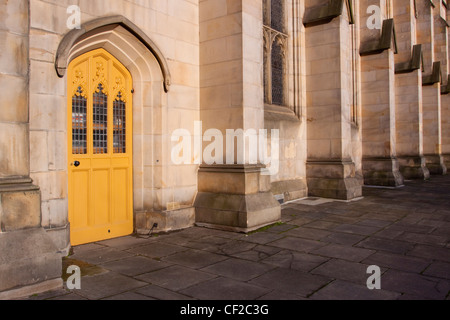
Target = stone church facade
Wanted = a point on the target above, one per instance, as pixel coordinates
(357, 92)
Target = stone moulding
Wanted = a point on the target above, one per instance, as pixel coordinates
(387, 41)
(18, 184)
(415, 63)
(278, 113)
(72, 37)
(325, 13)
(434, 77)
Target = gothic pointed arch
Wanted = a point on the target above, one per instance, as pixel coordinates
(98, 25)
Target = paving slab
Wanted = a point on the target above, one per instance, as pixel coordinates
(375, 223)
(195, 259)
(106, 285)
(344, 238)
(234, 247)
(157, 250)
(277, 295)
(322, 224)
(357, 229)
(308, 233)
(321, 251)
(344, 252)
(414, 284)
(344, 290)
(439, 270)
(129, 296)
(293, 281)
(430, 252)
(397, 262)
(432, 239)
(343, 270)
(238, 269)
(175, 277)
(68, 297)
(159, 293)
(123, 243)
(134, 266)
(100, 255)
(210, 243)
(225, 289)
(297, 244)
(262, 237)
(300, 221)
(389, 245)
(258, 253)
(295, 260)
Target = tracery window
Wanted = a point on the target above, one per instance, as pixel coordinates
(275, 52)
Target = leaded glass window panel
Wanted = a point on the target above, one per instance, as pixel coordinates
(120, 133)
(100, 117)
(277, 15)
(277, 74)
(79, 124)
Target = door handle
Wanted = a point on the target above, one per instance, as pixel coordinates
(76, 164)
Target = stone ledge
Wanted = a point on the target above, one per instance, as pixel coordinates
(325, 13)
(434, 77)
(17, 184)
(414, 64)
(445, 89)
(278, 113)
(28, 291)
(387, 41)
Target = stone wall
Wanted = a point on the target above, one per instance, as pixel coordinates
(173, 26)
(28, 256)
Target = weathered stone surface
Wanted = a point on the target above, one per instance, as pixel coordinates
(28, 257)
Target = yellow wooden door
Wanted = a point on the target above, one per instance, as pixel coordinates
(100, 148)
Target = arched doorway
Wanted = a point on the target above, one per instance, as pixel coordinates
(100, 161)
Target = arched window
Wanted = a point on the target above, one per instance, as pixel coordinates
(275, 48)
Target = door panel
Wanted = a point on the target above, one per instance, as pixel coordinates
(100, 148)
(120, 200)
(81, 206)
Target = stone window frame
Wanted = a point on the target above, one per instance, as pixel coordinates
(290, 108)
(355, 104)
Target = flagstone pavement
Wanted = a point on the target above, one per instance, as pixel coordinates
(321, 250)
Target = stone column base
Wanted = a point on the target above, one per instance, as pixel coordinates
(288, 190)
(333, 179)
(169, 220)
(61, 238)
(237, 212)
(383, 172)
(436, 164)
(413, 167)
(28, 256)
(235, 198)
(446, 160)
